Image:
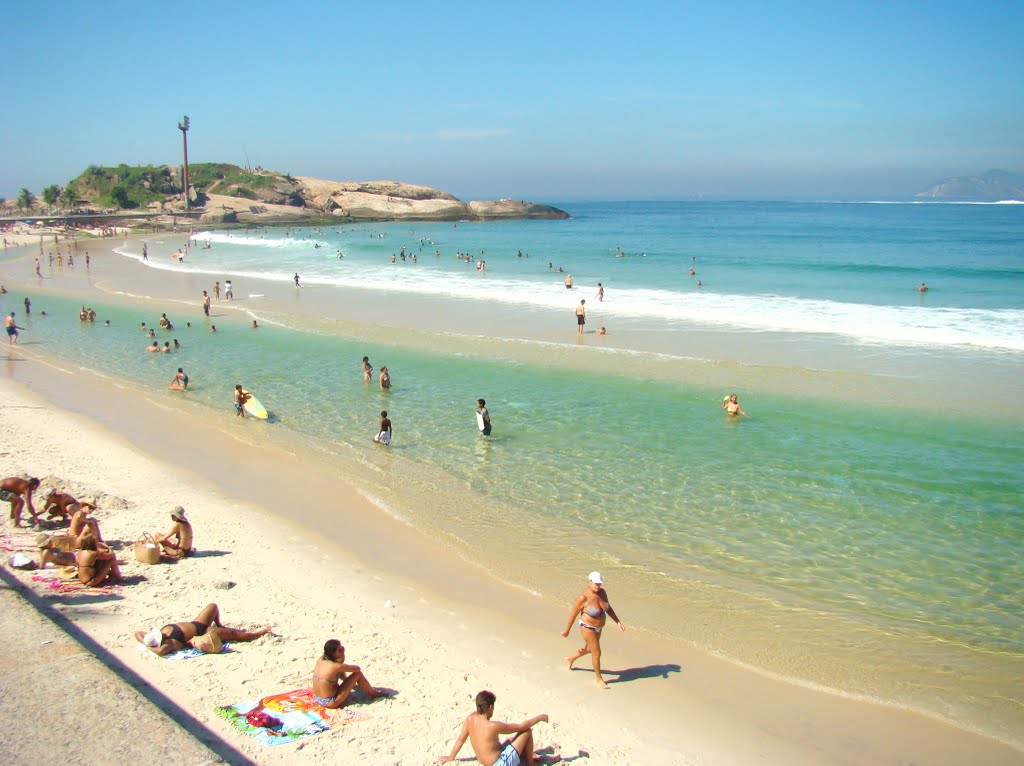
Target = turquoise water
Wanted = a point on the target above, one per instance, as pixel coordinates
(891, 539)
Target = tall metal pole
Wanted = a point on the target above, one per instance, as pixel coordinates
(183, 127)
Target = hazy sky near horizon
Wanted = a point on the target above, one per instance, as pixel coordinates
(545, 101)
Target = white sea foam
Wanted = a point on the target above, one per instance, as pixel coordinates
(899, 325)
(250, 240)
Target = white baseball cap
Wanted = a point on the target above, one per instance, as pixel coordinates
(595, 577)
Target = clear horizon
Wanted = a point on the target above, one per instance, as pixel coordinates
(575, 102)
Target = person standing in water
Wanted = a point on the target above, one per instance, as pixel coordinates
(297, 279)
(12, 329)
(732, 407)
(367, 369)
(241, 397)
(484, 417)
(181, 379)
(384, 435)
(385, 378)
(581, 317)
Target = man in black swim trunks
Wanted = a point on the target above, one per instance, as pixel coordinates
(581, 317)
(18, 492)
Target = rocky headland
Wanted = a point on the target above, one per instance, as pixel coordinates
(220, 193)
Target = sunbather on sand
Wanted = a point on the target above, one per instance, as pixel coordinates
(333, 680)
(97, 564)
(482, 734)
(81, 521)
(178, 542)
(178, 635)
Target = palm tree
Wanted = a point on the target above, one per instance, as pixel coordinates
(50, 194)
(68, 199)
(26, 199)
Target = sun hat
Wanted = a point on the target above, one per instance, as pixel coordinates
(42, 541)
(178, 513)
(595, 577)
(90, 501)
(153, 639)
(209, 643)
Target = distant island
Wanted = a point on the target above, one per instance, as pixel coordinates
(221, 193)
(993, 186)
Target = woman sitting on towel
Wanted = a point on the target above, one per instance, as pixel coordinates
(334, 680)
(178, 635)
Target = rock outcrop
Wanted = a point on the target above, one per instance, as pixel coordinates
(391, 200)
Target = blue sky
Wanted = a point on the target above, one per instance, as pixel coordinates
(543, 101)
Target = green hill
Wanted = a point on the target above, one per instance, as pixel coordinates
(128, 187)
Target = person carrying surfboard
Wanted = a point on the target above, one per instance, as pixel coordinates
(241, 397)
(483, 417)
(180, 381)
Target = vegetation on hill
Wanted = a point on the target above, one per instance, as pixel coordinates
(124, 186)
(128, 187)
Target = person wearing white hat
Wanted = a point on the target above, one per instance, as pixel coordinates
(178, 635)
(592, 611)
(178, 542)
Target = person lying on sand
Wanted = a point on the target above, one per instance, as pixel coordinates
(178, 542)
(333, 680)
(178, 635)
(482, 734)
(18, 492)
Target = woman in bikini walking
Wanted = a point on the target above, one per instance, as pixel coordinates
(592, 611)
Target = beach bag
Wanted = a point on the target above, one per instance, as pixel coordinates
(261, 720)
(146, 549)
(63, 543)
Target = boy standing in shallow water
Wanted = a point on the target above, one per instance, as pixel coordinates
(384, 435)
(482, 734)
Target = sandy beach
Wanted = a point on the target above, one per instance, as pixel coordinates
(313, 558)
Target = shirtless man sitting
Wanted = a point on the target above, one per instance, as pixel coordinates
(483, 733)
(177, 543)
(333, 680)
(18, 492)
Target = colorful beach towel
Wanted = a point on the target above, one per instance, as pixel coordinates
(74, 586)
(300, 717)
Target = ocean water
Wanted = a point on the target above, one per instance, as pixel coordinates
(851, 545)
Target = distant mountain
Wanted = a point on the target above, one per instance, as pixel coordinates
(993, 186)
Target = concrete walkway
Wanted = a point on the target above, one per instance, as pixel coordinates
(65, 699)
